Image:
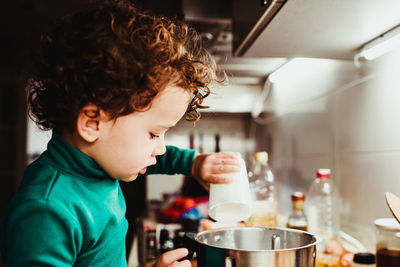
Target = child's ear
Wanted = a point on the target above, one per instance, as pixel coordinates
(87, 123)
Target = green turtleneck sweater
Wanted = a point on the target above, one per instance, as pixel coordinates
(69, 212)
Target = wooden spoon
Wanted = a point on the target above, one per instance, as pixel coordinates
(393, 202)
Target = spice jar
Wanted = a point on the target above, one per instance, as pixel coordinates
(387, 242)
(297, 219)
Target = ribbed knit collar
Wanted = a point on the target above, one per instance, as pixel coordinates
(67, 158)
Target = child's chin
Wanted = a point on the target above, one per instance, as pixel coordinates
(129, 178)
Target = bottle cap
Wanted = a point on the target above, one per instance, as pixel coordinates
(261, 156)
(298, 196)
(324, 173)
(364, 257)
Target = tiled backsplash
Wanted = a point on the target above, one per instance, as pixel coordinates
(345, 118)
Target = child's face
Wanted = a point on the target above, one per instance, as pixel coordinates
(128, 145)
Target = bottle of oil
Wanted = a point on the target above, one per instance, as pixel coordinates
(297, 219)
(265, 207)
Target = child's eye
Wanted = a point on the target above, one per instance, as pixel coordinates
(153, 136)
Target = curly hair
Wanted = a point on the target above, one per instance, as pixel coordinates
(117, 58)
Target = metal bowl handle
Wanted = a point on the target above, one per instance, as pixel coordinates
(190, 243)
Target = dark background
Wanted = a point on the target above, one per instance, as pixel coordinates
(21, 22)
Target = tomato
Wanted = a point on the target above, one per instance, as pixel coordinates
(178, 203)
(170, 214)
(183, 203)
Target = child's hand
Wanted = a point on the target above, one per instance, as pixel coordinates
(171, 258)
(214, 168)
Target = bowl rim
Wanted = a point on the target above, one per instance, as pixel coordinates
(315, 242)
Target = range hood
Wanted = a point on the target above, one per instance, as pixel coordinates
(320, 28)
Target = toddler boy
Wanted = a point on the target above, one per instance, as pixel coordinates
(109, 82)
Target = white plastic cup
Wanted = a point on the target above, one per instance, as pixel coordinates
(231, 202)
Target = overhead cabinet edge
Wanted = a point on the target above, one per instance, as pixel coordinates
(240, 23)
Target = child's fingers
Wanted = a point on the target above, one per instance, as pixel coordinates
(225, 155)
(219, 179)
(224, 158)
(185, 263)
(219, 169)
(170, 257)
(226, 161)
(218, 159)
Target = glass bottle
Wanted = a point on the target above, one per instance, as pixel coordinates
(265, 207)
(297, 219)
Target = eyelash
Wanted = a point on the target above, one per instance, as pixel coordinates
(153, 136)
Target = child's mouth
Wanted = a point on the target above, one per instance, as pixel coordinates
(143, 171)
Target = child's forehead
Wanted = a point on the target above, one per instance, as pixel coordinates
(172, 92)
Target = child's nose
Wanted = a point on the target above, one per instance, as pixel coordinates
(160, 148)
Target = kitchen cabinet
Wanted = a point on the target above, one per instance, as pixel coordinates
(312, 28)
(249, 18)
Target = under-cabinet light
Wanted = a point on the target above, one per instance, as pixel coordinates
(291, 69)
(381, 45)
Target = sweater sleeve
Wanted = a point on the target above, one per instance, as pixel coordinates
(174, 161)
(40, 234)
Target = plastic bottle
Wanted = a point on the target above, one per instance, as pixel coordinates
(297, 219)
(265, 208)
(322, 207)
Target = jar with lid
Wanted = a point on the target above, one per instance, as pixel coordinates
(387, 242)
